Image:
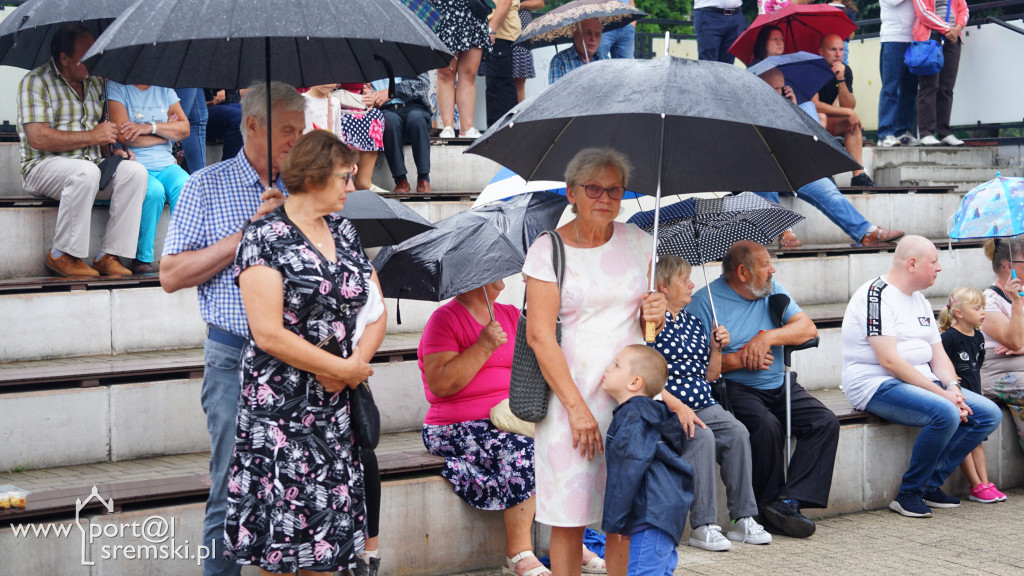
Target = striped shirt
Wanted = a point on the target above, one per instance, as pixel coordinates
(216, 202)
(44, 96)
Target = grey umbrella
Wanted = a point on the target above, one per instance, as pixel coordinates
(26, 32)
(233, 43)
(557, 25)
(467, 250)
(382, 221)
(685, 126)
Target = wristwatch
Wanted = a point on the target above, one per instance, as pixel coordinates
(152, 129)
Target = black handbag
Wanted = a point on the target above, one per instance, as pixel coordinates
(108, 168)
(365, 417)
(527, 390)
(481, 8)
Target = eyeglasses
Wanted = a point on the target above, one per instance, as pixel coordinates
(348, 178)
(594, 191)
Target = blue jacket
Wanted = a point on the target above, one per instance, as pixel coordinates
(649, 482)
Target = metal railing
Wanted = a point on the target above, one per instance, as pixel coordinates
(1006, 25)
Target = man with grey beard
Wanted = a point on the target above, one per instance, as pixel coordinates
(753, 370)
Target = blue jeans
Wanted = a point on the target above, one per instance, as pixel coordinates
(652, 552)
(823, 195)
(944, 441)
(163, 186)
(221, 387)
(193, 102)
(898, 98)
(225, 123)
(618, 43)
(715, 34)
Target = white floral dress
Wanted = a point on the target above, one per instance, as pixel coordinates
(601, 296)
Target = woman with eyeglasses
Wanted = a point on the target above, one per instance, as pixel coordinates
(296, 493)
(603, 305)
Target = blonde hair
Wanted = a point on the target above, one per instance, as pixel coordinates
(959, 298)
(649, 365)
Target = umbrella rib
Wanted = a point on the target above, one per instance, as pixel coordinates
(774, 159)
(551, 147)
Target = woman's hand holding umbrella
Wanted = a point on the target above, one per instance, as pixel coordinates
(652, 311)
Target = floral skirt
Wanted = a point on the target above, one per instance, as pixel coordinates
(363, 130)
(491, 469)
(1009, 390)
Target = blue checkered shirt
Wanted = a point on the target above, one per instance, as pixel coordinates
(215, 203)
(566, 61)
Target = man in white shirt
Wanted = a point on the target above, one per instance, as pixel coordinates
(894, 366)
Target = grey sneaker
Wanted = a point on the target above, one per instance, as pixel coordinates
(709, 537)
(908, 139)
(748, 531)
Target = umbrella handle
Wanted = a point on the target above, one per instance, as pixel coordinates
(650, 331)
(1014, 274)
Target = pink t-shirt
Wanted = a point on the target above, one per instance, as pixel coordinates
(453, 329)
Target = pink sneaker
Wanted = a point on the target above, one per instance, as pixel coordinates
(1002, 497)
(984, 493)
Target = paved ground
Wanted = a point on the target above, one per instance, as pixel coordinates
(974, 539)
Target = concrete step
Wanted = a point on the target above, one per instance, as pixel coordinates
(963, 177)
(111, 423)
(967, 156)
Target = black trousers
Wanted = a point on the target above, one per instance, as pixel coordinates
(409, 123)
(816, 427)
(935, 93)
(500, 93)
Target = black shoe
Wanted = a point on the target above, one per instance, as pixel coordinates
(862, 179)
(787, 519)
(366, 568)
(936, 498)
(139, 267)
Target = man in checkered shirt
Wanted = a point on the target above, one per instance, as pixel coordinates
(215, 204)
(60, 122)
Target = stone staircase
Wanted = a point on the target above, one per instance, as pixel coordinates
(964, 167)
(96, 418)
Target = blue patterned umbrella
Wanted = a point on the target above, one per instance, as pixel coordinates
(993, 209)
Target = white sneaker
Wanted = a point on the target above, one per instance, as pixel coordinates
(908, 139)
(448, 132)
(930, 140)
(471, 133)
(951, 140)
(889, 141)
(748, 531)
(709, 537)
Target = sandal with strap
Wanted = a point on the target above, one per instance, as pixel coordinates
(596, 565)
(510, 565)
(789, 240)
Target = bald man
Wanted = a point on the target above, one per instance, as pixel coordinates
(836, 101)
(586, 39)
(823, 194)
(894, 366)
(752, 366)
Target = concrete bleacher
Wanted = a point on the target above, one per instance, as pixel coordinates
(108, 375)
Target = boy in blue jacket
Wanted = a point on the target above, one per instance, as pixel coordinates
(650, 486)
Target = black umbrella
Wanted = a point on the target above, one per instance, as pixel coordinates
(702, 229)
(686, 126)
(557, 25)
(382, 221)
(467, 250)
(233, 43)
(26, 33)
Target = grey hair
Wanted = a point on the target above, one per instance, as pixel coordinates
(669, 266)
(282, 96)
(739, 253)
(590, 161)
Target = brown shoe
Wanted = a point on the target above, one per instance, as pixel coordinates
(402, 187)
(109, 265)
(68, 265)
(880, 236)
(423, 187)
(788, 240)
(139, 267)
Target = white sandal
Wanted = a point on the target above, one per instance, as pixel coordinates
(510, 565)
(595, 566)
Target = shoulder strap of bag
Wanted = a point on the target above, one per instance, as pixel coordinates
(557, 260)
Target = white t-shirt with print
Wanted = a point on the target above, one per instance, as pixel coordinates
(880, 309)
